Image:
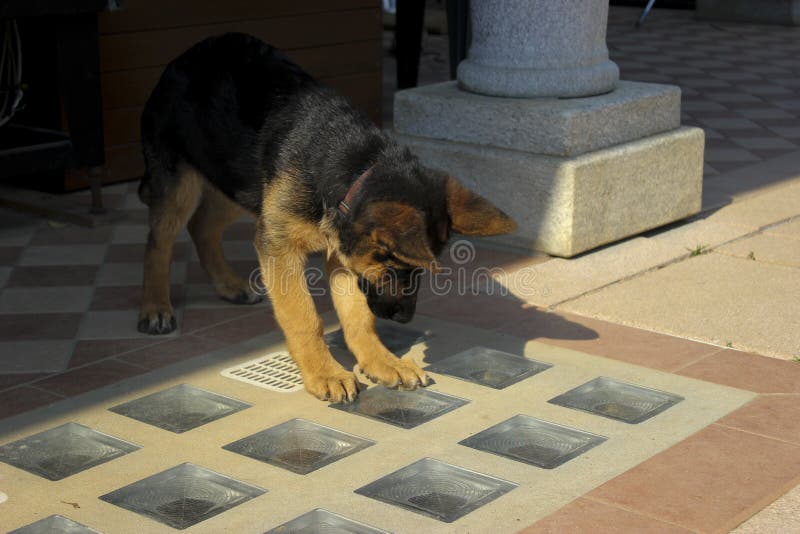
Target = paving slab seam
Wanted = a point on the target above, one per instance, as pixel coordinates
(679, 259)
(134, 364)
(636, 512)
(765, 262)
(654, 268)
(701, 358)
(226, 321)
(765, 436)
(32, 383)
(760, 505)
(37, 388)
(123, 352)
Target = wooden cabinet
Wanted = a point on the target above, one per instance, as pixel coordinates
(338, 41)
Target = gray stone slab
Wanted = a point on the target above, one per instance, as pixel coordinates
(565, 206)
(551, 126)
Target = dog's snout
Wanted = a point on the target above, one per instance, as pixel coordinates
(402, 316)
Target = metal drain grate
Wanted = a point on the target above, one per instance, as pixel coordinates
(299, 446)
(395, 338)
(180, 408)
(183, 495)
(323, 521)
(530, 440)
(275, 372)
(436, 489)
(617, 400)
(64, 450)
(57, 524)
(489, 367)
(405, 409)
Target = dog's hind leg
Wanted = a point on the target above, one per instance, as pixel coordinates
(206, 227)
(171, 207)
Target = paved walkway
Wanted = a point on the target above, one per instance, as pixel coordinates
(707, 306)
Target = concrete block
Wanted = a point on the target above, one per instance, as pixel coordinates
(567, 205)
(552, 126)
(785, 12)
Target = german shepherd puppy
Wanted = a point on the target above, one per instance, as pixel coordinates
(235, 127)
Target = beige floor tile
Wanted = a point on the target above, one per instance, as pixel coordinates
(130, 274)
(711, 297)
(63, 255)
(558, 280)
(16, 228)
(765, 248)
(699, 233)
(774, 205)
(40, 356)
(789, 229)
(45, 299)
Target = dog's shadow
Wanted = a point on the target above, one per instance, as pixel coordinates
(529, 323)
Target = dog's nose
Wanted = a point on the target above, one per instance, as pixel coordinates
(402, 316)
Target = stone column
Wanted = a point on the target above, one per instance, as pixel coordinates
(575, 173)
(530, 48)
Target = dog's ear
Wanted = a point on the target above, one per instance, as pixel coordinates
(471, 214)
(399, 229)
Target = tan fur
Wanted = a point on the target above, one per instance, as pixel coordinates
(471, 214)
(283, 243)
(398, 229)
(168, 216)
(215, 213)
(358, 324)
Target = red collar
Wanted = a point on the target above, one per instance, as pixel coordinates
(344, 204)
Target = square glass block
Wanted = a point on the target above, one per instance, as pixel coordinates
(436, 489)
(617, 400)
(180, 408)
(533, 441)
(183, 495)
(299, 446)
(395, 338)
(405, 409)
(55, 524)
(489, 367)
(323, 521)
(64, 450)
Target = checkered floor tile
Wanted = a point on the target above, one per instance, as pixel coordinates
(739, 81)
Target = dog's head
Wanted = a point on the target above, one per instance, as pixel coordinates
(393, 239)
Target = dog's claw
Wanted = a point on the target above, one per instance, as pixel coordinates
(157, 324)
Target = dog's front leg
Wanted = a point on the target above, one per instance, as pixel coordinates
(358, 325)
(296, 314)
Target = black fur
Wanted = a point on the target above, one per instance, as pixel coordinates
(237, 110)
(242, 114)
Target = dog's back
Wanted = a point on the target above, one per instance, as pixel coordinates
(226, 108)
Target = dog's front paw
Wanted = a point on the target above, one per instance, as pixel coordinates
(157, 322)
(395, 373)
(332, 384)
